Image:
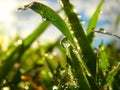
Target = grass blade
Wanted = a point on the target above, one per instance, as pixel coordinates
(39, 30)
(16, 55)
(51, 16)
(93, 22)
(111, 75)
(77, 70)
(80, 37)
(104, 63)
(117, 21)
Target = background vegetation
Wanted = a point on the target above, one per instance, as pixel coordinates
(70, 63)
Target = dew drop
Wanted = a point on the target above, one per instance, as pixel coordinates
(75, 10)
(71, 31)
(65, 43)
(26, 87)
(101, 11)
(76, 52)
(79, 17)
(51, 56)
(55, 87)
(66, 87)
(18, 42)
(100, 60)
(82, 22)
(46, 55)
(6, 88)
(16, 65)
(75, 39)
(50, 74)
(44, 19)
(102, 30)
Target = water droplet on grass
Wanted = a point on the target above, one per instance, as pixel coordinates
(55, 87)
(102, 30)
(75, 51)
(65, 43)
(5, 88)
(100, 60)
(46, 55)
(79, 17)
(75, 39)
(71, 31)
(18, 42)
(44, 19)
(82, 22)
(101, 11)
(75, 10)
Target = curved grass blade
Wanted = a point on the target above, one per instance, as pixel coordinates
(16, 55)
(80, 36)
(51, 16)
(93, 22)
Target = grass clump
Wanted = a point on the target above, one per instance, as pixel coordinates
(70, 65)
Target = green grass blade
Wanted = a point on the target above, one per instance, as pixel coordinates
(103, 63)
(16, 55)
(111, 75)
(80, 37)
(93, 22)
(117, 21)
(39, 30)
(51, 16)
(77, 70)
